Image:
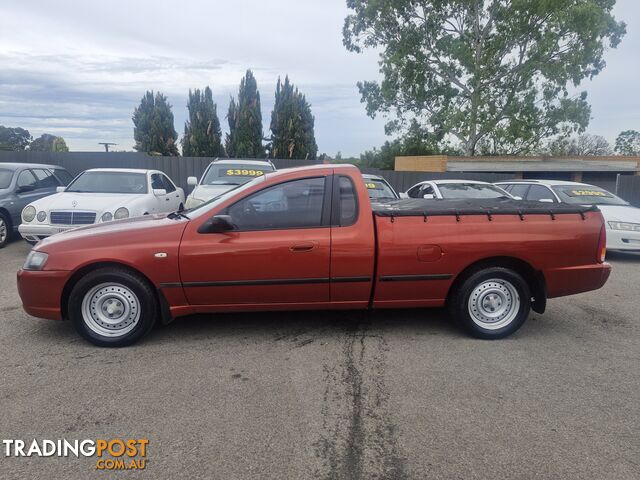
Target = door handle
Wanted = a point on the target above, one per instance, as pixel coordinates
(303, 247)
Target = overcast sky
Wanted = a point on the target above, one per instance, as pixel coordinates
(78, 69)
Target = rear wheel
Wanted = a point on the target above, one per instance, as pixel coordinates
(491, 303)
(5, 230)
(112, 307)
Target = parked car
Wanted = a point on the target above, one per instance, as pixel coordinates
(222, 175)
(307, 238)
(451, 189)
(22, 183)
(621, 218)
(379, 189)
(100, 195)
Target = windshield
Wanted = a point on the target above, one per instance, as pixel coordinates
(206, 206)
(587, 195)
(378, 189)
(109, 182)
(233, 174)
(471, 190)
(5, 177)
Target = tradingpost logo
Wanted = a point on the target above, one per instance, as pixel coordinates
(110, 454)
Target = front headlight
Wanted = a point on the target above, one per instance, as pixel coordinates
(625, 226)
(28, 214)
(107, 217)
(193, 202)
(42, 216)
(35, 260)
(121, 213)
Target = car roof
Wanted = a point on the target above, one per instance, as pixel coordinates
(16, 166)
(549, 183)
(122, 170)
(447, 181)
(235, 161)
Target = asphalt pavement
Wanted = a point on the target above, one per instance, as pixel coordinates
(387, 395)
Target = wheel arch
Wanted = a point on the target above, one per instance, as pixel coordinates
(163, 305)
(7, 215)
(534, 278)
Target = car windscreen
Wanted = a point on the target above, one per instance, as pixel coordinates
(378, 189)
(587, 195)
(233, 174)
(470, 190)
(5, 177)
(109, 182)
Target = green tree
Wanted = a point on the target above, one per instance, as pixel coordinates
(153, 126)
(292, 124)
(48, 143)
(244, 139)
(496, 70)
(202, 133)
(628, 143)
(14, 138)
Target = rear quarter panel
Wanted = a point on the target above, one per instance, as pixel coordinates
(410, 246)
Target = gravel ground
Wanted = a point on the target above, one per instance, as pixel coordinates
(397, 394)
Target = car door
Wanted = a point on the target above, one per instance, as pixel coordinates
(173, 195)
(26, 189)
(279, 253)
(158, 203)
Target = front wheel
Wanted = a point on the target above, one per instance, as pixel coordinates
(5, 230)
(491, 303)
(112, 307)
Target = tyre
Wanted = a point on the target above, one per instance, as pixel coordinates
(112, 307)
(5, 230)
(491, 303)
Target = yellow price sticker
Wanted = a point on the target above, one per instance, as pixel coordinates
(588, 193)
(243, 172)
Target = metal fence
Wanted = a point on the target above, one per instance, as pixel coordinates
(178, 168)
(628, 188)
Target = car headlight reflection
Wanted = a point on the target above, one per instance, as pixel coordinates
(28, 214)
(121, 213)
(625, 226)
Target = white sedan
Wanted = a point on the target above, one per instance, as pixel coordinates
(621, 219)
(450, 189)
(100, 195)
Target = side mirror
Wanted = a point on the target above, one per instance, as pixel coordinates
(25, 188)
(428, 196)
(192, 181)
(159, 192)
(60, 189)
(217, 224)
(546, 200)
(403, 195)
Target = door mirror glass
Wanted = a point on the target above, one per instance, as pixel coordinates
(217, 224)
(192, 181)
(159, 192)
(60, 189)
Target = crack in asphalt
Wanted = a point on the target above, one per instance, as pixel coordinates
(359, 439)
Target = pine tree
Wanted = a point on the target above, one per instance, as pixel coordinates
(202, 134)
(245, 121)
(292, 124)
(153, 126)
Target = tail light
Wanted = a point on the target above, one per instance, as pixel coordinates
(602, 245)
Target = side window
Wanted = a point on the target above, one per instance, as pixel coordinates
(427, 190)
(295, 204)
(168, 184)
(519, 190)
(415, 192)
(156, 182)
(45, 178)
(348, 202)
(539, 193)
(26, 179)
(63, 176)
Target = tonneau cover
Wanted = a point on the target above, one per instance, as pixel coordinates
(413, 207)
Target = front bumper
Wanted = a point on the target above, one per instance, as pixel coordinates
(41, 292)
(35, 232)
(623, 240)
